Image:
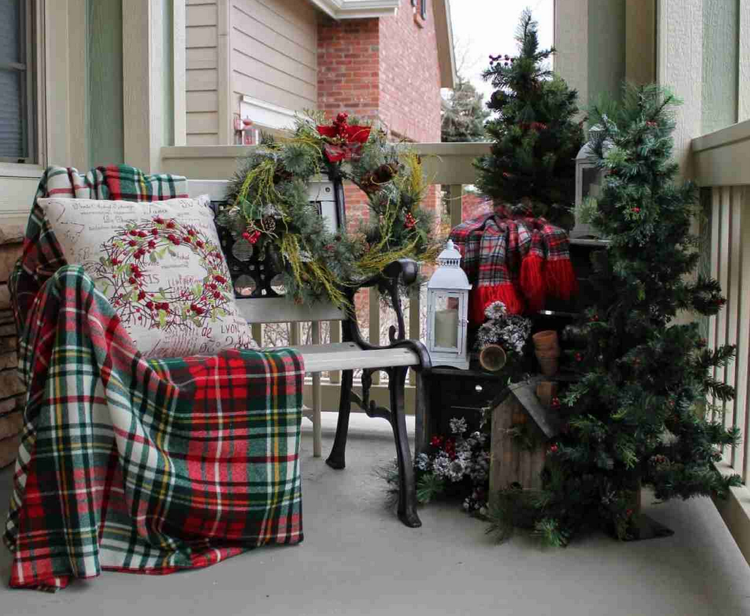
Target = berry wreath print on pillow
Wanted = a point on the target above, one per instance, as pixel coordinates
(160, 266)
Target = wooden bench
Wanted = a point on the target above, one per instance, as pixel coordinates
(353, 353)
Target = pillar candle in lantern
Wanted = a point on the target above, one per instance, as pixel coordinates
(446, 328)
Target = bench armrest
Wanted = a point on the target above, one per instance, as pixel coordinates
(388, 282)
(405, 269)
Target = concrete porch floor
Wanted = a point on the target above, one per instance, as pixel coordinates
(358, 559)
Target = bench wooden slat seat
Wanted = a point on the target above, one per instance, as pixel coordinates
(344, 355)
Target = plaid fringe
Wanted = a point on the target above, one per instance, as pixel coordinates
(517, 260)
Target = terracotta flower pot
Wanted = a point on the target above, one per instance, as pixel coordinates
(545, 340)
(492, 358)
(548, 365)
(553, 352)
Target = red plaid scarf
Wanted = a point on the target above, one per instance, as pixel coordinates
(515, 259)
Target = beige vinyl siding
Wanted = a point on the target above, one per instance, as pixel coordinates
(202, 72)
(274, 52)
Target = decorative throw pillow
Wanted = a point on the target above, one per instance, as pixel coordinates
(161, 267)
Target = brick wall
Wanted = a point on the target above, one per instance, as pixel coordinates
(410, 75)
(12, 391)
(382, 69)
(348, 61)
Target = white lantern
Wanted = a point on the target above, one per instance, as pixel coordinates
(589, 179)
(447, 310)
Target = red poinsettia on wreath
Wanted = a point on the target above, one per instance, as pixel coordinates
(344, 141)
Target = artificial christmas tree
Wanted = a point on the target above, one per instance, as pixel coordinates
(637, 415)
(532, 160)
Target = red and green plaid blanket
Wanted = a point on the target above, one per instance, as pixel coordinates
(513, 258)
(146, 466)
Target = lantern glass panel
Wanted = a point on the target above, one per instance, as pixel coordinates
(445, 321)
(591, 185)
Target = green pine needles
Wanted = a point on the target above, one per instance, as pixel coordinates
(638, 415)
(536, 139)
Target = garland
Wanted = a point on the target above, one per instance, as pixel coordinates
(269, 207)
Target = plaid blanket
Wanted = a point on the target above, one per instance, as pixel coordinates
(516, 259)
(146, 466)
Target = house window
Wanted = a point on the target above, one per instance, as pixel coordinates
(17, 126)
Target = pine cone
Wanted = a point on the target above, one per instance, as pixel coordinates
(373, 181)
(269, 224)
(281, 175)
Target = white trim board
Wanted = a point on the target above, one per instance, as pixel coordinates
(357, 9)
(266, 115)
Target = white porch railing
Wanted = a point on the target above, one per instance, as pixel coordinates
(444, 164)
(722, 169)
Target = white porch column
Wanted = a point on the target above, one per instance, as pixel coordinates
(680, 67)
(743, 107)
(640, 41)
(144, 67)
(571, 61)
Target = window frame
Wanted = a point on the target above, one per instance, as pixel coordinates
(29, 85)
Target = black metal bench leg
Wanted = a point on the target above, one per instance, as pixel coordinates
(423, 419)
(407, 486)
(337, 458)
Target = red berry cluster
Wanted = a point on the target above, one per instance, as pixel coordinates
(447, 445)
(410, 221)
(553, 449)
(252, 237)
(157, 306)
(537, 126)
(135, 274)
(555, 402)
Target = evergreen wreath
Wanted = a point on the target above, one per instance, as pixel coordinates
(269, 207)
